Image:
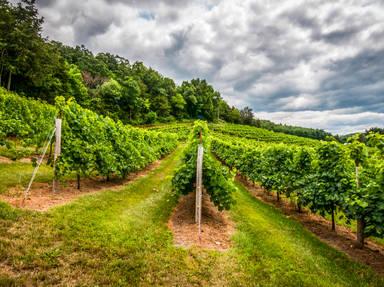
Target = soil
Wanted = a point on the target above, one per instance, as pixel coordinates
(41, 197)
(343, 239)
(25, 160)
(216, 226)
(4, 159)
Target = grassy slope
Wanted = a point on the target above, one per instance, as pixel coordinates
(120, 238)
(280, 252)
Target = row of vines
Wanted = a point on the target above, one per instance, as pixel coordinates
(91, 144)
(217, 179)
(327, 178)
(259, 134)
(182, 130)
(23, 123)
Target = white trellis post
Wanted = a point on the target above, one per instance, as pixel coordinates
(55, 183)
(199, 186)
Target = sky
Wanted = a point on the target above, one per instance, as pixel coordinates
(316, 64)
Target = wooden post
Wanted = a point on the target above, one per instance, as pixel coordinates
(199, 183)
(9, 81)
(55, 184)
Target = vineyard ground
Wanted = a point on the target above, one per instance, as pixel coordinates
(216, 227)
(343, 240)
(42, 198)
(121, 238)
(17, 174)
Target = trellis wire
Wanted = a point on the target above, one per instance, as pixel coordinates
(26, 192)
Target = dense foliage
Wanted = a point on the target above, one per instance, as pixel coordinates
(92, 144)
(362, 137)
(259, 134)
(319, 177)
(217, 179)
(365, 202)
(181, 130)
(293, 130)
(27, 121)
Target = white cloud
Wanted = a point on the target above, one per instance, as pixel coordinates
(341, 121)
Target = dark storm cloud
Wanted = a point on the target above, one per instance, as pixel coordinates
(287, 57)
(88, 27)
(150, 2)
(245, 83)
(362, 69)
(302, 19)
(45, 3)
(339, 36)
(357, 81)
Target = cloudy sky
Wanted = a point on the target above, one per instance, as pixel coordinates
(310, 63)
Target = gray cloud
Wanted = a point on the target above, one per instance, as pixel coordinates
(279, 57)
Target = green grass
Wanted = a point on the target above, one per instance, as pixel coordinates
(280, 252)
(16, 173)
(15, 150)
(120, 238)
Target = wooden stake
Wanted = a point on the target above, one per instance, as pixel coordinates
(55, 184)
(199, 188)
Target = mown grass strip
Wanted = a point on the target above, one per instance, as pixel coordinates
(278, 251)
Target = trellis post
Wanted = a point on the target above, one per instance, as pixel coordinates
(199, 185)
(55, 184)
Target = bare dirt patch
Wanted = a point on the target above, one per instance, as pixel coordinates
(41, 197)
(4, 159)
(216, 226)
(343, 240)
(26, 159)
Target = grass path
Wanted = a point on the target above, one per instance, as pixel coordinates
(280, 252)
(120, 238)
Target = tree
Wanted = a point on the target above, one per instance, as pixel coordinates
(178, 105)
(75, 86)
(234, 115)
(187, 90)
(130, 97)
(21, 36)
(111, 94)
(246, 116)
